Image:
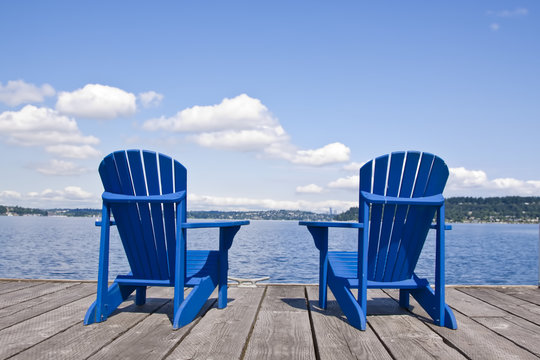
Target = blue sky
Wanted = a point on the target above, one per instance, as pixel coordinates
(270, 105)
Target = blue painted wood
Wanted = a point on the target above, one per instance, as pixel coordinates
(146, 193)
(400, 194)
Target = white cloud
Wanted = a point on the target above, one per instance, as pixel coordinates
(17, 92)
(245, 124)
(97, 101)
(73, 151)
(494, 27)
(70, 196)
(239, 113)
(348, 183)
(33, 126)
(309, 189)
(231, 203)
(509, 13)
(150, 99)
(8, 195)
(69, 193)
(61, 168)
(354, 166)
(328, 154)
(464, 182)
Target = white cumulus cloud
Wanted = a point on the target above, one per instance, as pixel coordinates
(73, 151)
(17, 92)
(150, 99)
(244, 123)
(97, 102)
(204, 202)
(33, 126)
(328, 154)
(353, 166)
(348, 183)
(309, 189)
(464, 182)
(61, 168)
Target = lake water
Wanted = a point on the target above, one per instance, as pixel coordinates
(67, 248)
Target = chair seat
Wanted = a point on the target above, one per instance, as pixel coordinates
(344, 265)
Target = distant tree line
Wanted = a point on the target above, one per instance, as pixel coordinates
(513, 209)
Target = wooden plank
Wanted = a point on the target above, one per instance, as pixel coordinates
(79, 341)
(34, 330)
(471, 338)
(517, 330)
(336, 339)
(25, 310)
(469, 305)
(137, 344)
(28, 293)
(10, 286)
(405, 335)
(222, 333)
(527, 293)
(513, 305)
(282, 329)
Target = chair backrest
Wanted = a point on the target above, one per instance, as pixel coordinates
(147, 231)
(397, 233)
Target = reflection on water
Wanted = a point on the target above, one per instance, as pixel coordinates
(67, 248)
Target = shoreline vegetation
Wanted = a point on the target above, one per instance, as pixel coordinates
(508, 209)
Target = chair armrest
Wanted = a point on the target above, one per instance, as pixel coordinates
(329, 224)
(176, 197)
(100, 222)
(220, 224)
(435, 200)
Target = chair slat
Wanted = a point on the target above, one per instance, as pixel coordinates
(132, 227)
(416, 216)
(407, 183)
(394, 182)
(379, 187)
(152, 179)
(169, 220)
(139, 185)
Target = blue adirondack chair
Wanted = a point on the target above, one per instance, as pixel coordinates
(400, 194)
(146, 193)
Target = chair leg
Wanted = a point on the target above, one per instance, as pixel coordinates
(404, 298)
(194, 302)
(430, 303)
(140, 295)
(347, 302)
(115, 295)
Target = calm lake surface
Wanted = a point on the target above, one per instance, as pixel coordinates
(68, 248)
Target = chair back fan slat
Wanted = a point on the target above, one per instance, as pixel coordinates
(379, 188)
(147, 231)
(169, 219)
(407, 183)
(152, 181)
(388, 221)
(397, 233)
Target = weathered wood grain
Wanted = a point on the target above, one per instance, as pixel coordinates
(151, 338)
(43, 320)
(527, 293)
(222, 333)
(9, 286)
(27, 293)
(336, 339)
(508, 303)
(282, 329)
(22, 311)
(23, 335)
(79, 341)
(471, 338)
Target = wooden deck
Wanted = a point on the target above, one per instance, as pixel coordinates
(43, 319)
